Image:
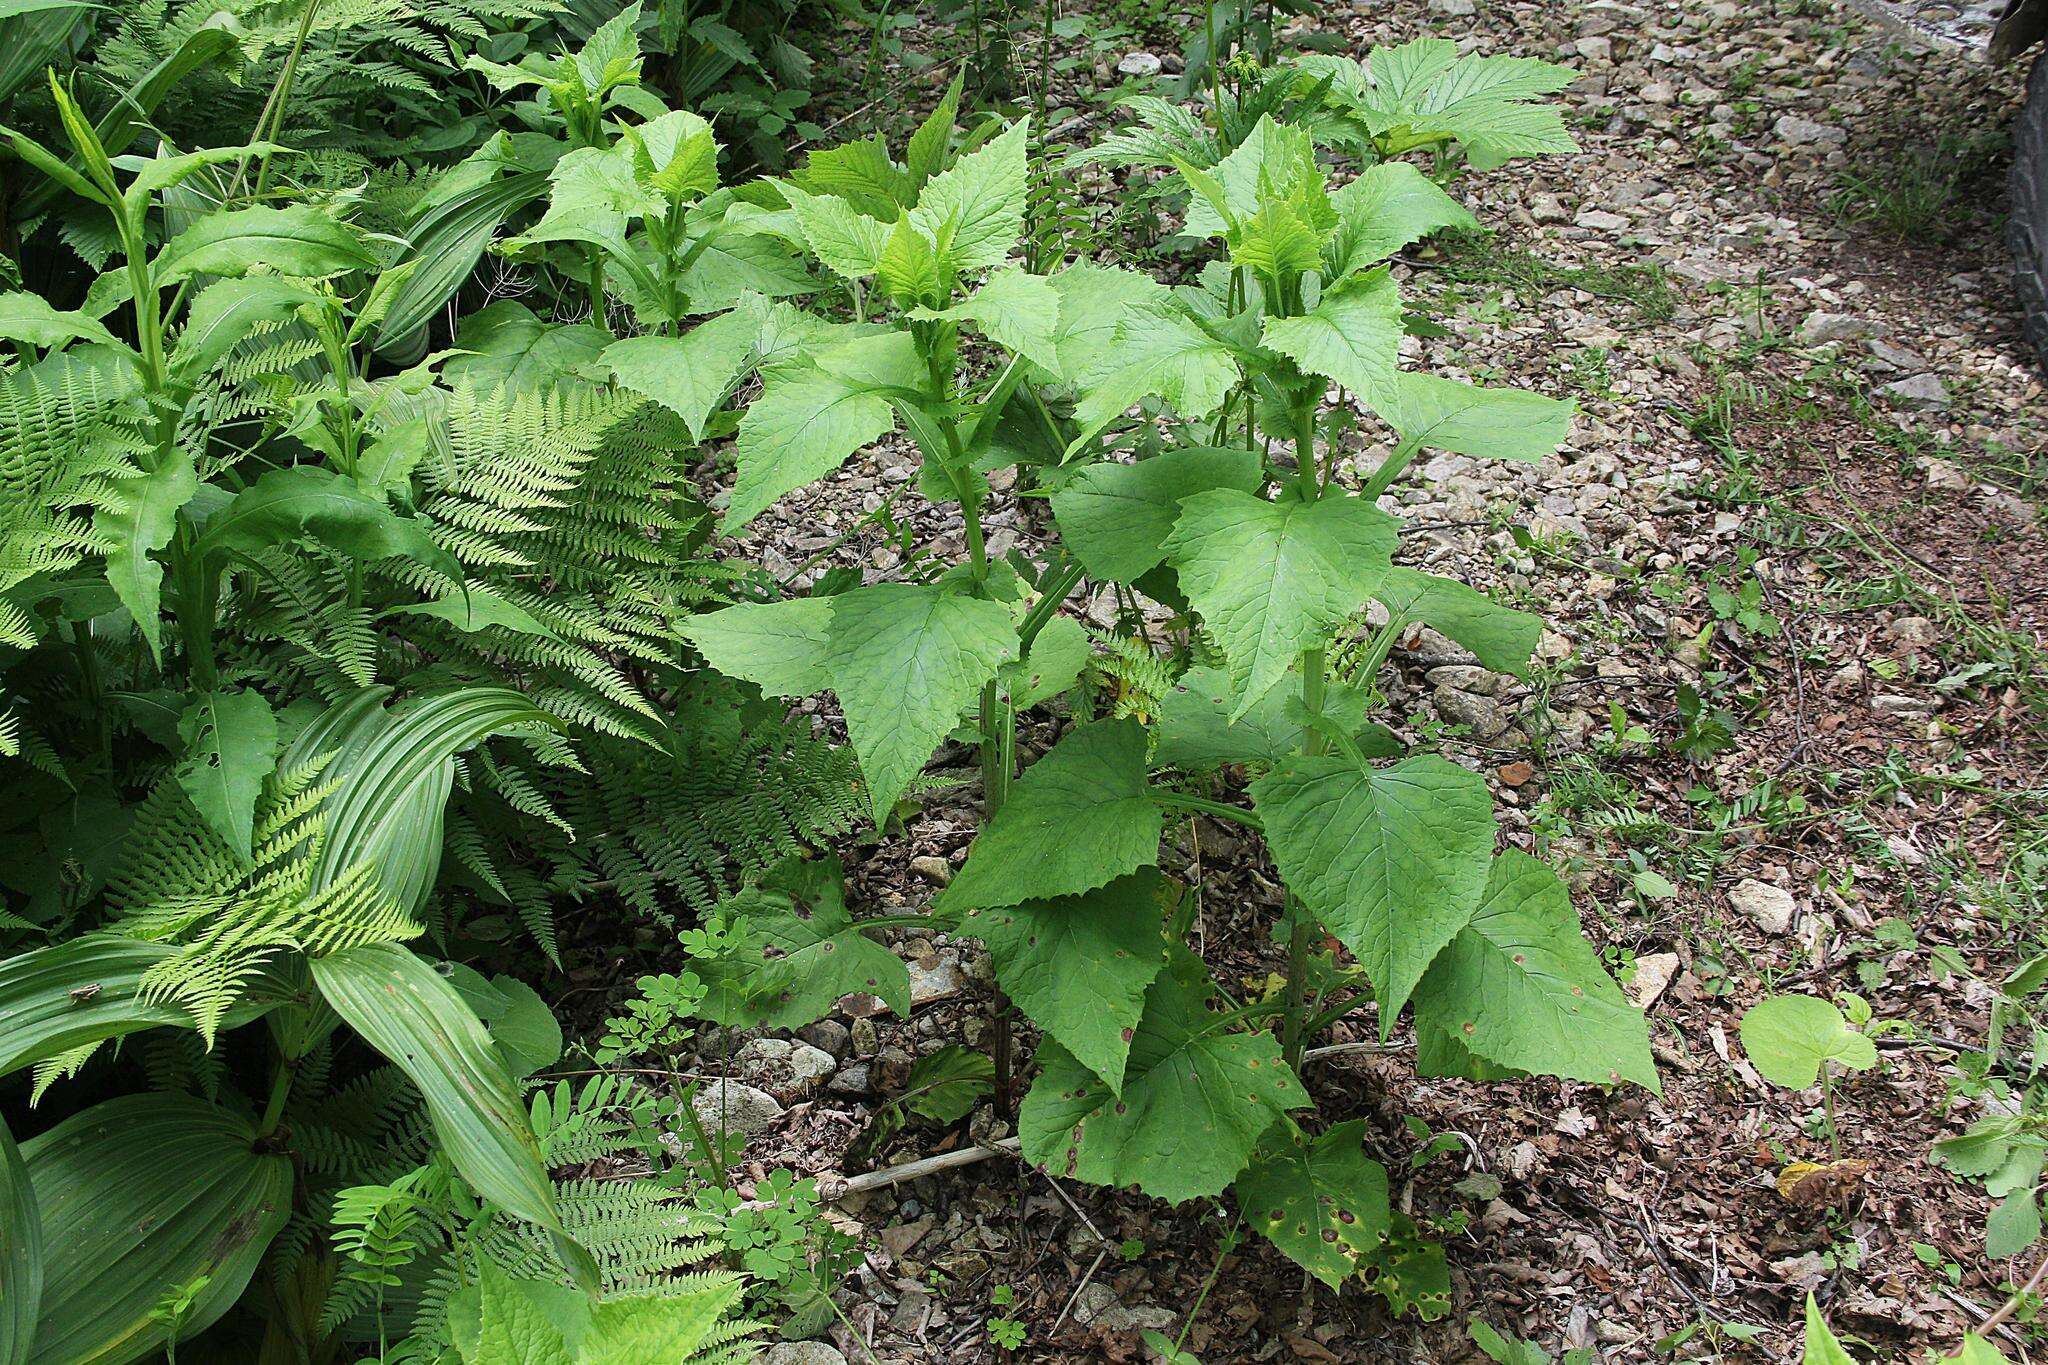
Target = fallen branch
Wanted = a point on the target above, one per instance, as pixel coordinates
(833, 1187)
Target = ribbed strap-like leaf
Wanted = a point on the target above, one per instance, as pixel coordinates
(88, 990)
(21, 1255)
(410, 1013)
(140, 1197)
(395, 780)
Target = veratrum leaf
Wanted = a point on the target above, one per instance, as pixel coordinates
(1502, 424)
(141, 1197)
(1079, 965)
(974, 208)
(230, 746)
(1272, 579)
(89, 989)
(1116, 517)
(298, 240)
(1501, 638)
(1393, 861)
(410, 1013)
(906, 661)
(21, 1255)
(1520, 987)
(137, 518)
(393, 774)
(1077, 819)
(1384, 209)
(802, 951)
(1352, 335)
(1323, 1201)
(810, 417)
(1195, 1099)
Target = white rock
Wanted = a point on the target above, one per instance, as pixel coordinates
(802, 1353)
(1138, 64)
(1821, 328)
(1802, 132)
(787, 1070)
(1921, 390)
(1770, 907)
(737, 1108)
(1653, 974)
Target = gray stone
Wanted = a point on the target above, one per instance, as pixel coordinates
(802, 1353)
(1821, 328)
(789, 1071)
(737, 1108)
(1484, 716)
(1800, 132)
(935, 870)
(1918, 390)
(1599, 220)
(852, 1080)
(937, 975)
(1770, 907)
(827, 1035)
(1139, 64)
(1097, 1305)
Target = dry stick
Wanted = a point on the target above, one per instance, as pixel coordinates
(2011, 1305)
(1100, 1257)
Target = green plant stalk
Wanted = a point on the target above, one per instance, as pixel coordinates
(280, 1091)
(1222, 810)
(282, 94)
(1827, 1102)
(1390, 469)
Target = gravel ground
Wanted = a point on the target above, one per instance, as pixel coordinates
(1800, 489)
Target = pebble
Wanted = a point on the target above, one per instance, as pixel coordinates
(790, 1071)
(802, 1353)
(737, 1107)
(1139, 64)
(1769, 907)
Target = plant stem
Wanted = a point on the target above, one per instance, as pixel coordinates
(280, 1091)
(1223, 1250)
(1827, 1101)
(1391, 470)
(1222, 810)
(1300, 933)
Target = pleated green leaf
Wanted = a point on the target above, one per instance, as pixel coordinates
(410, 1013)
(88, 990)
(21, 1255)
(141, 1197)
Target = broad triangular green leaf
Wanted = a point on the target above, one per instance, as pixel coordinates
(1196, 733)
(848, 242)
(1077, 819)
(1272, 579)
(906, 661)
(297, 240)
(1521, 987)
(1196, 1098)
(810, 417)
(1501, 638)
(781, 646)
(1015, 309)
(688, 374)
(137, 517)
(1156, 351)
(1323, 1201)
(1393, 861)
(1503, 424)
(974, 209)
(1387, 207)
(1078, 966)
(230, 746)
(799, 951)
(1116, 517)
(1352, 335)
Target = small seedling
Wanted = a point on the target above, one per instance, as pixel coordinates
(1793, 1040)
